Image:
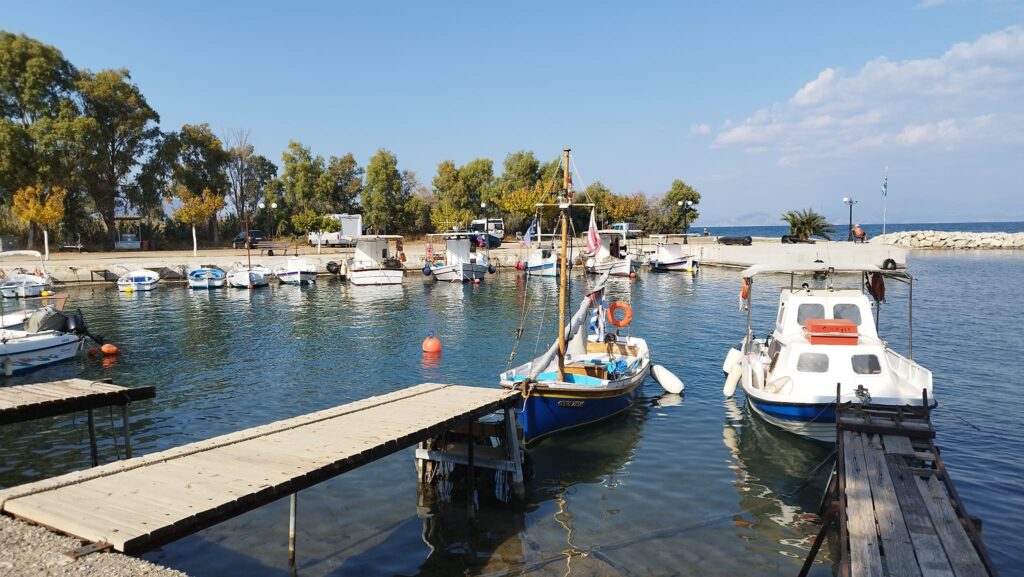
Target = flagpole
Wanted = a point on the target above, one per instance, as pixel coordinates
(885, 197)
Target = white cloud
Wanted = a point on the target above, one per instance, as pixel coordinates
(967, 93)
(698, 129)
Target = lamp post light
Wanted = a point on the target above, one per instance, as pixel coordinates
(270, 216)
(685, 206)
(850, 202)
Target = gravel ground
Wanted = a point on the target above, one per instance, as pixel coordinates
(28, 550)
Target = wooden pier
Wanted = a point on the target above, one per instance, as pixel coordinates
(898, 511)
(138, 504)
(27, 402)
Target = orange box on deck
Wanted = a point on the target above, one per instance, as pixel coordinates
(830, 331)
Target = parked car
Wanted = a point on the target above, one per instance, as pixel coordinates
(240, 241)
(630, 229)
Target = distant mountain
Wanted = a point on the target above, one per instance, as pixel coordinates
(751, 219)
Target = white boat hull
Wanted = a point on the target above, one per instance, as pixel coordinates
(678, 265)
(22, 290)
(461, 272)
(618, 267)
(21, 351)
(210, 283)
(244, 278)
(296, 277)
(375, 276)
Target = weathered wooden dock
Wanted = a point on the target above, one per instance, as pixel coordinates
(138, 504)
(36, 401)
(897, 508)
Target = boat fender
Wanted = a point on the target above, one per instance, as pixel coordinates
(889, 264)
(626, 319)
(401, 256)
(745, 291)
(667, 380)
(39, 272)
(876, 287)
(490, 269)
(732, 358)
(333, 267)
(732, 379)
(426, 270)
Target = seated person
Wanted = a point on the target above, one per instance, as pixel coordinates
(858, 233)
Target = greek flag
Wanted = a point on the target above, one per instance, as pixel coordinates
(530, 232)
(885, 185)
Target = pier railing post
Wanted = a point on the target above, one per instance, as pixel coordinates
(470, 470)
(291, 531)
(126, 431)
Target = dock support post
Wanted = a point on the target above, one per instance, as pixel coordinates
(291, 531)
(470, 471)
(127, 432)
(92, 440)
(819, 539)
(512, 442)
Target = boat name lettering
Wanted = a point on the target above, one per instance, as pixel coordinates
(575, 404)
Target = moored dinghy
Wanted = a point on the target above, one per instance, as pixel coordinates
(461, 262)
(245, 276)
(670, 256)
(612, 256)
(823, 338)
(138, 280)
(49, 336)
(207, 277)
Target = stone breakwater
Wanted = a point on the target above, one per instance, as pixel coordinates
(953, 240)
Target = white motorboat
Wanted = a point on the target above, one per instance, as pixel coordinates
(612, 256)
(246, 276)
(461, 261)
(49, 336)
(138, 280)
(377, 261)
(670, 256)
(825, 338)
(21, 283)
(542, 259)
(296, 271)
(207, 277)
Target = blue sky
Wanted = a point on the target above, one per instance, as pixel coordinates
(763, 107)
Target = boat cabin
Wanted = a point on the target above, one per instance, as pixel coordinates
(460, 248)
(377, 250)
(798, 306)
(613, 245)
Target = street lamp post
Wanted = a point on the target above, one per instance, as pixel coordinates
(850, 202)
(270, 216)
(686, 207)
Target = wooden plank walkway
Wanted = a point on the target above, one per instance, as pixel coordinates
(898, 511)
(141, 503)
(36, 401)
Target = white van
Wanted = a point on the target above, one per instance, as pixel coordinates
(492, 226)
(351, 226)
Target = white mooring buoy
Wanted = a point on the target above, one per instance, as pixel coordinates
(667, 380)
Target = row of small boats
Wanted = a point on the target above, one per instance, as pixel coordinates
(295, 271)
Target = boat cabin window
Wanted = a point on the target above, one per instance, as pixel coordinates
(774, 348)
(782, 312)
(812, 363)
(809, 311)
(847, 311)
(384, 253)
(866, 364)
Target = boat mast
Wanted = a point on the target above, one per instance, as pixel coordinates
(248, 255)
(563, 205)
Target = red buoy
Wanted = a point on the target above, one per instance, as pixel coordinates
(109, 349)
(431, 344)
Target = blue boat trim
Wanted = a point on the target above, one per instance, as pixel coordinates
(543, 415)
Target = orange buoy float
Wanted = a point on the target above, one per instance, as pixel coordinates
(92, 352)
(109, 349)
(431, 344)
(626, 318)
(745, 291)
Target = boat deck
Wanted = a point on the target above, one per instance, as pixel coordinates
(142, 503)
(896, 505)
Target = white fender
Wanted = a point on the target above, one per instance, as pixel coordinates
(734, 377)
(667, 380)
(731, 359)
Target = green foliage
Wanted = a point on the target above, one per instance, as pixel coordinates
(122, 130)
(34, 79)
(621, 208)
(308, 221)
(200, 161)
(477, 179)
(384, 195)
(678, 217)
(807, 223)
(300, 173)
(521, 171)
(340, 185)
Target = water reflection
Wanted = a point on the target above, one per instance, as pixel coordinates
(779, 478)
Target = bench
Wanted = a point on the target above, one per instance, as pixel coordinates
(271, 245)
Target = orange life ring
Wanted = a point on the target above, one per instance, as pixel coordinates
(626, 319)
(745, 291)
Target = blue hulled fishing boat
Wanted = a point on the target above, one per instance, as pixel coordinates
(592, 371)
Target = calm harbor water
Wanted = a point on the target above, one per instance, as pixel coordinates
(679, 485)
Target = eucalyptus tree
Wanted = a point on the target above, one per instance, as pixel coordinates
(340, 185)
(384, 195)
(122, 132)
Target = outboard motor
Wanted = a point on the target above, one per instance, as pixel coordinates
(75, 324)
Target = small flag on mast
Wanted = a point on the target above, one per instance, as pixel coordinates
(885, 184)
(528, 237)
(593, 239)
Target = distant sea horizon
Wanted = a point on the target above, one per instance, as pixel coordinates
(872, 229)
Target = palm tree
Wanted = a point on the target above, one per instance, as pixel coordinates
(807, 223)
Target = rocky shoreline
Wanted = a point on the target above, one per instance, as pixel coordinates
(936, 239)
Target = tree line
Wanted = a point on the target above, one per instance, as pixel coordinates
(79, 149)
